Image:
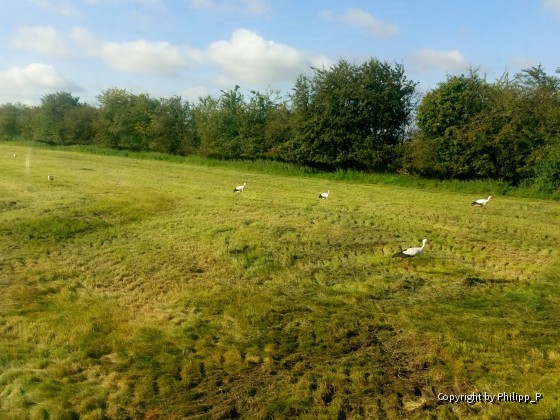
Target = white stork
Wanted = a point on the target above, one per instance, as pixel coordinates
(239, 188)
(50, 178)
(324, 196)
(411, 252)
(481, 202)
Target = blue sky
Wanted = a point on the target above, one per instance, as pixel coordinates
(192, 48)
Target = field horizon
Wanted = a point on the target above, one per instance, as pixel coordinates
(143, 288)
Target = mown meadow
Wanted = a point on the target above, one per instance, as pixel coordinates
(143, 288)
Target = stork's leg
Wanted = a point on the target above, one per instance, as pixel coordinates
(405, 265)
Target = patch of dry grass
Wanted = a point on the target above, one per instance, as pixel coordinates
(147, 288)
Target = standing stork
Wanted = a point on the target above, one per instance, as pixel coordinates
(324, 196)
(481, 202)
(50, 177)
(239, 188)
(410, 253)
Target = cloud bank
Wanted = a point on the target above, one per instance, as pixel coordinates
(553, 5)
(247, 57)
(429, 59)
(249, 7)
(363, 20)
(25, 82)
(158, 58)
(41, 39)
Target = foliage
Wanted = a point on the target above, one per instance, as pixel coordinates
(546, 169)
(125, 119)
(12, 121)
(139, 122)
(471, 129)
(259, 112)
(80, 124)
(172, 127)
(231, 127)
(50, 126)
(227, 121)
(352, 116)
(205, 113)
(444, 119)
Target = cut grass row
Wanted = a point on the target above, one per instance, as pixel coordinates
(144, 288)
(290, 170)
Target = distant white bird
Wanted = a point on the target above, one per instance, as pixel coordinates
(239, 188)
(50, 177)
(14, 156)
(481, 202)
(411, 252)
(324, 196)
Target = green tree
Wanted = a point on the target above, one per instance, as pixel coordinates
(219, 123)
(385, 104)
(13, 119)
(278, 131)
(448, 120)
(540, 102)
(524, 118)
(207, 131)
(351, 116)
(50, 125)
(255, 132)
(172, 127)
(294, 147)
(229, 121)
(125, 119)
(80, 124)
(469, 128)
(113, 124)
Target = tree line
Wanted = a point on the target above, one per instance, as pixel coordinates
(368, 117)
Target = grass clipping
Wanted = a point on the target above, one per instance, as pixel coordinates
(143, 288)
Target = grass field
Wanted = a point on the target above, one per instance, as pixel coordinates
(134, 288)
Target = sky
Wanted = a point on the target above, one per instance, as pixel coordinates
(193, 48)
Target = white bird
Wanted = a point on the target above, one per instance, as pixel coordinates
(411, 252)
(481, 202)
(324, 196)
(15, 156)
(50, 178)
(239, 188)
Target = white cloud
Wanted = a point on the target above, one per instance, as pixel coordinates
(247, 57)
(139, 56)
(451, 61)
(257, 7)
(29, 82)
(363, 20)
(520, 62)
(152, 4)
(61, 7)
(251, 7)
(553, 5)
(41, 39)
